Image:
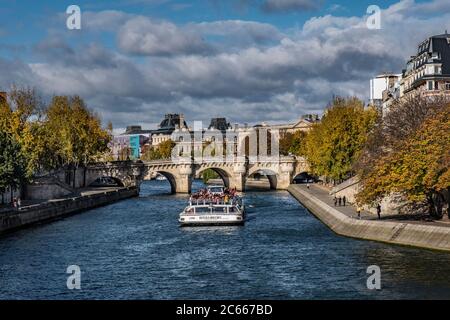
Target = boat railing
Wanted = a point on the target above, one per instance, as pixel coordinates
(212, 208)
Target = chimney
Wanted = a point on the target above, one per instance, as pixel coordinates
(181, 120)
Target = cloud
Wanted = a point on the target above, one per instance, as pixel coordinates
(143, 36)
(291, 5)
(245, 70)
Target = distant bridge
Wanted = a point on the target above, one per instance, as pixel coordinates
(180, 173)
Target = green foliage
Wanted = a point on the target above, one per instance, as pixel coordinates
(209, 174)
(73, 132)
(333, 145)
(293, 143)
(12, 163)
(65, 132)
(162, 152)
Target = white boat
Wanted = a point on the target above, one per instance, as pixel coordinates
(217, 209)
(160, 177)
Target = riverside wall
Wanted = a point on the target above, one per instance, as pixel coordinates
(409, 234)
(60, 208)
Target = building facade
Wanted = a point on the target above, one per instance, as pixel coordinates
(384, 87)
(428, 72)
(131, 142)
(168, 125)
(304, 123)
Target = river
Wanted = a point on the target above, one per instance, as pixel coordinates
(135, 249)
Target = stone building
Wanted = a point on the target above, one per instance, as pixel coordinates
(168, 125)
(304, 123)
(428, 72)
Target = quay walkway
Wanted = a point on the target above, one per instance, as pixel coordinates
(395, 229)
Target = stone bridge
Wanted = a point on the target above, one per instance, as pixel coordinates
(180, 173)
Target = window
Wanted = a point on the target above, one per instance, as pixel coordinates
(436, 85)
(430, 85)
(447, 86)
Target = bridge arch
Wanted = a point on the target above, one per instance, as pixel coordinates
(171, 178)
(302, 177)
(106, 180)
(223, 174)
(270, 174)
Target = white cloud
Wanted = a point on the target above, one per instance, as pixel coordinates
(264, 74)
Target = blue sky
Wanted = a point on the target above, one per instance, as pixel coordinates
(249, 60)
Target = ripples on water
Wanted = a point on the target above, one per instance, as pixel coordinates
(134, 249)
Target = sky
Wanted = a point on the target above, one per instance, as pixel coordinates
(250, 61)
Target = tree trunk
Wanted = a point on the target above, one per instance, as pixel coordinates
(435, 201)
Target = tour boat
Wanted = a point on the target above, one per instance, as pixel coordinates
(214, 208)
(160, 177)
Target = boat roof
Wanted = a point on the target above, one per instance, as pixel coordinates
(215, 186)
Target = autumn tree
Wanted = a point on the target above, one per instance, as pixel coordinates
(333, 145)
(416, 164)
(293, 143)
(74, 132)
(161, 152)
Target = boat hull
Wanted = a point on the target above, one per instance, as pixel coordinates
(211, 220)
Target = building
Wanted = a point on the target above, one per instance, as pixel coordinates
(382, 86)
(168, 125)
(133, 139)
(304, 123)
(220, 124)
(428, 72)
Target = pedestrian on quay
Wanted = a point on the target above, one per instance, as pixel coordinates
(358, 210)
(339, 201)
(344, 200)
(335, 201)
(307, 185)
(19, 203)
(379, 211)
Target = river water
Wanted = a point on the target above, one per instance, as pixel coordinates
(135, 249)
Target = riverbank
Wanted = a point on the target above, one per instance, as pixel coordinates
(342, 220)
(55, 209)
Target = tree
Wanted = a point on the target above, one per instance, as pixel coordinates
(12, 163)
(209, 174)
(416, 166)
(21, 117)
(293, 143)
(74, 133)
(333, 145)
(161, 152)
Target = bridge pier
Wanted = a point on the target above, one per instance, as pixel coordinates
(183, 180)
(237, 179)
(284, 177)
(183, 184)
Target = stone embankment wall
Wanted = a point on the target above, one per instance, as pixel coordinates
(51, 210)
(349, 188)
(416, 235)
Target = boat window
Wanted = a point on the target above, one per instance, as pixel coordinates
(202, 210)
